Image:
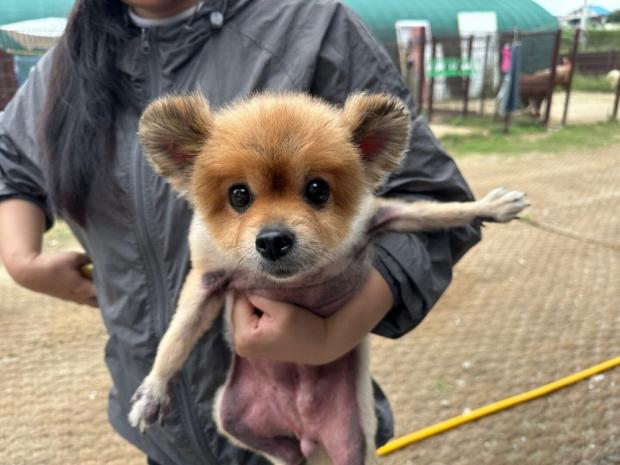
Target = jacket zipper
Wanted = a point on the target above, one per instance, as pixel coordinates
(155, 270)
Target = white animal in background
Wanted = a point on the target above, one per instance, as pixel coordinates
(613, 77)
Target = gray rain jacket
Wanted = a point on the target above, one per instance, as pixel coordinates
(137, 227)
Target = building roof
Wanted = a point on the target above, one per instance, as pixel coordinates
(594, 14)
(593, 11)
(527, 15)
(599, 10)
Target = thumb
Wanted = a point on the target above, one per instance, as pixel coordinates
(243, 314)
(271, 308)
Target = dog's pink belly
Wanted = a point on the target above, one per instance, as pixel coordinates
(277, 407)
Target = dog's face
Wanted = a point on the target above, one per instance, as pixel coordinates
(281, 182)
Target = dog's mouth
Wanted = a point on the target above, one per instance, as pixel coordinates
(280, 271)
(284, 261)
(288, 268)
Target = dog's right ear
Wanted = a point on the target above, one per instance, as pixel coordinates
(379, 125)
(173, 131)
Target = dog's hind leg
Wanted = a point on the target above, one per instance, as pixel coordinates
(366, 400)
(348, 431)
(197, 309)
(500, 206)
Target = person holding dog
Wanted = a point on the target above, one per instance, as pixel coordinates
(68, 148)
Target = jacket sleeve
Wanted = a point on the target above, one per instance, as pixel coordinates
(417, 266)
(20, 172)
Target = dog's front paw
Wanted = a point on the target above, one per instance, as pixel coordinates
(502, 205)
(149, 404)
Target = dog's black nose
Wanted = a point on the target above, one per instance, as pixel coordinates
(274, 243)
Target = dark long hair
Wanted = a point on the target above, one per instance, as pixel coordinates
(85, 92)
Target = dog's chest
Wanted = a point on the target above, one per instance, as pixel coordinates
(284, 409)
(323, 292)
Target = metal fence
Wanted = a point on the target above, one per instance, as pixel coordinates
(601, 72)
(448, 75)
(462, 75)
(8, 78)
(597, 62)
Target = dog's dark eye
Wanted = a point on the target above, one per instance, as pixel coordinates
(317, 192)
(240, 197)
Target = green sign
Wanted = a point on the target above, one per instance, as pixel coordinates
(449, 67)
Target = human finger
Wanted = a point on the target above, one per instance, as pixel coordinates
(244, 315)
(275, 309)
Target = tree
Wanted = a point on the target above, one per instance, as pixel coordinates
(614, 17)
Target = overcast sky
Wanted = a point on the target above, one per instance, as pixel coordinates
(561, 7)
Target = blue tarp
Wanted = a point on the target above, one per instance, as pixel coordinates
(509, 96)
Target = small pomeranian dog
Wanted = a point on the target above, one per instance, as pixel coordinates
(282, 190)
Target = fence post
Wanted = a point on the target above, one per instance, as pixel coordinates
(421, 74)
(569, 86)
(470, 43)
(551, 85)
(431, 89)
(614, 115)
(484, 74)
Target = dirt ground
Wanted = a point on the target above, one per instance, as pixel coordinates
(526, 306)
(583, 108)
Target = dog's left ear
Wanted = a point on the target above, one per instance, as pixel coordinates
(173, 131)
(379, 127)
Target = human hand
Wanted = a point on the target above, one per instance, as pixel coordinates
(265, 328)
(268, 329)
(58, 275)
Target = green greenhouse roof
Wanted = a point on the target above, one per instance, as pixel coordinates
(13, 11)
(381, 15)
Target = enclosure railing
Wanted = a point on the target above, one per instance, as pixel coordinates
(447, 74)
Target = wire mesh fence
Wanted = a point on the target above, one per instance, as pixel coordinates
(595, 74)
(8, 78)
(464, 75)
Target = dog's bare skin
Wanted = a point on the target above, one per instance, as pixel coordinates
(379, 126)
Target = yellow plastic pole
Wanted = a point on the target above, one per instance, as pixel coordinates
(453, 422)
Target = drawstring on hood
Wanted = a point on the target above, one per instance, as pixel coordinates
(197, 8)
(145, 46)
